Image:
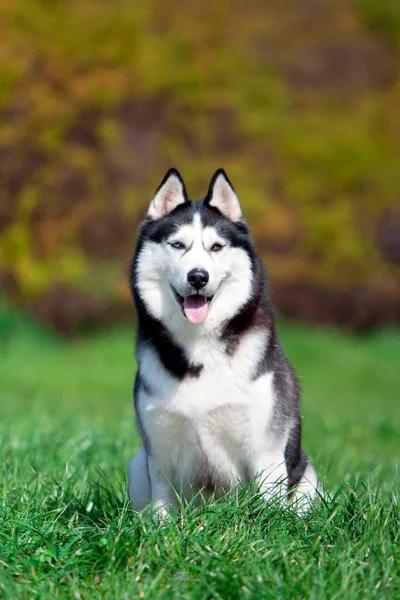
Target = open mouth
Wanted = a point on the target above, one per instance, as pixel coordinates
(194, 307)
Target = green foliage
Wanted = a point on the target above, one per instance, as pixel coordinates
(382, 16)
(300, 105)
(66, 433)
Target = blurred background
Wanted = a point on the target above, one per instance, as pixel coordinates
(298, 101)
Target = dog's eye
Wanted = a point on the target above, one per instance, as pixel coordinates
(216, 247)
(177, 245)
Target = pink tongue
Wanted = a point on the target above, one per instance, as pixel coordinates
(196, 308)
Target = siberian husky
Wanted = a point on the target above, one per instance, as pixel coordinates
(217, 402)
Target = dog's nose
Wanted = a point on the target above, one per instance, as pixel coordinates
(198, 278)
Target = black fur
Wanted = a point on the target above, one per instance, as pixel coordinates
(255, 314)
(139, 383)
(296, 460)
(172, 356)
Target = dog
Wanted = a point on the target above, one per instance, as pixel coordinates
(216, 401)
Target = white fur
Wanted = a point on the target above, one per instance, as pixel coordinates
(221, 417)
(305, 491)
(161, 266)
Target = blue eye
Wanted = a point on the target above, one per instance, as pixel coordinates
(177, 245)
(216, 247)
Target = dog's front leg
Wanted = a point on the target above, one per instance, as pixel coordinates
(162, 494)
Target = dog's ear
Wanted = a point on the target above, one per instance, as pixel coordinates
(222, 196)
(168, 196)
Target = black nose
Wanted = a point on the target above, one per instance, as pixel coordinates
(198, 278)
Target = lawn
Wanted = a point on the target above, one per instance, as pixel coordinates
(66, 436)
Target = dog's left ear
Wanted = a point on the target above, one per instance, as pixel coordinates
(222, 196)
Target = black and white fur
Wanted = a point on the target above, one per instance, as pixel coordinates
(217, 402)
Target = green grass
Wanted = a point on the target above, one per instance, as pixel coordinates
(66, 436)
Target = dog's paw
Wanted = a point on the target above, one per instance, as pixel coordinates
(161, 514)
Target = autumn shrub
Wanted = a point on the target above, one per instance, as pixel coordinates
(298, 101)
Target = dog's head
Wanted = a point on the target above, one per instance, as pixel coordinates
(194, 259)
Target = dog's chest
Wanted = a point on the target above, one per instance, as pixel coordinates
(212, 422)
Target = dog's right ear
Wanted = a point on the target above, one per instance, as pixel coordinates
(168, 196)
